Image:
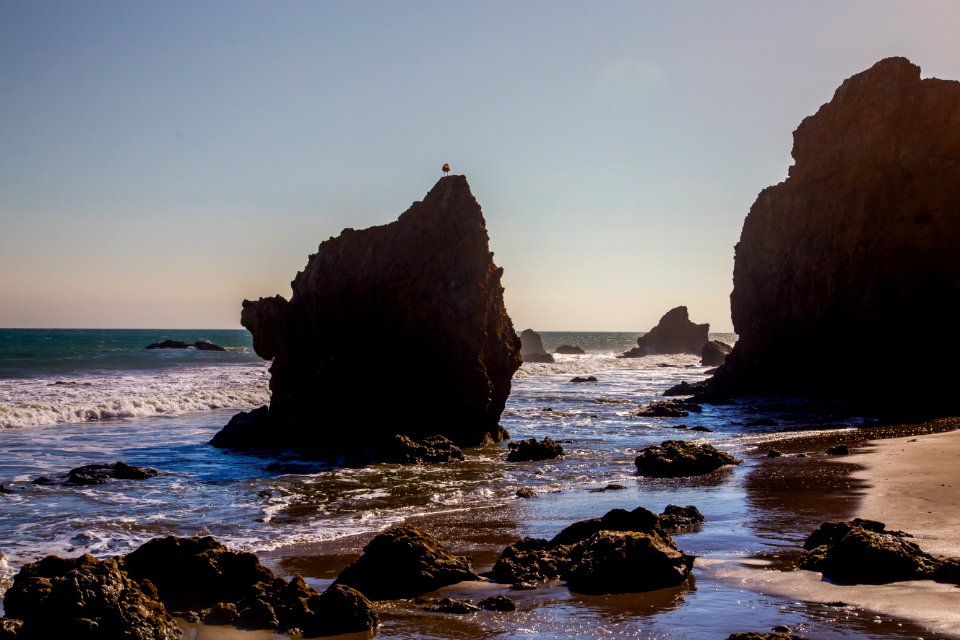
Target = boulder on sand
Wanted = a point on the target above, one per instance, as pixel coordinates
(374, 314)
(404, 563)
(858, 244)
(675, 459)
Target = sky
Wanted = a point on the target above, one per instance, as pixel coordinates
(160, 162)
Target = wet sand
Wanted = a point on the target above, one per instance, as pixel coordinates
(911, 483)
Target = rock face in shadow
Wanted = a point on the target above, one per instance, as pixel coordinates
(857, 245)
(404, 563)
(533, 449)
(673, 334)
(400, 326)
(84, 599)
(531, 347)
(714, 353)
(863, 552)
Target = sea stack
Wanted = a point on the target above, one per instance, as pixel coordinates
(847, 275)
(399, 328)
(675, 333)
(531, 347)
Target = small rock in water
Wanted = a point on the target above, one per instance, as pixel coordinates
(675, 458)
(701, 429)
(839, 450)
(4, 490)
(42, 480)
(568, 349)
(450, 605)
(534, 450)
(613, 486)
(100, 473)
(525, 492)
(675, 517)
(587, 379)
(782, 628)
(498, 603)
(773, 453)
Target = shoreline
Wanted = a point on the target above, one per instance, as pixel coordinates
(908, 485)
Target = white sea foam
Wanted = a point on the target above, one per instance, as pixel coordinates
(45, 401)
(591, 363)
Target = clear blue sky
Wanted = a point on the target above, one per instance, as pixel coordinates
(159, 162)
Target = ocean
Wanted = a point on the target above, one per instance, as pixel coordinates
(75, 397)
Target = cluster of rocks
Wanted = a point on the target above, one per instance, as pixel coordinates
(676, 458)
(862, 551)
(668, 409)
(137, 596)
(429, 450)
(199, 345)
(531, 347)
(623, 551)
(422, 291)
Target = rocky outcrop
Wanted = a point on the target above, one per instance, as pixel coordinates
(199, 345)
(857, 245)
(429, 450)
(623, 551)
(400, 324)
(531, 349)
(200, 578)
(533, 449)
(404, 563)
(101, 473)
(580, 379)
(675, 459)
(862, 551)
(570, 350)
(668, 409)
(673, 334)
(677, 517)
(84, 599)
(714, 353)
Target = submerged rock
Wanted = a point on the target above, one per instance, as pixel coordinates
(100, 473)
(673, 334)
(579, 379)
(858, 244)
(533, 449)
(675, 458)
(862, 551)
(668, 409)
(714, 353)
(404, 563)
(199, 345)
(568, 349)
(84, 599)
(432, 449)
(374, 314)
(450, 605)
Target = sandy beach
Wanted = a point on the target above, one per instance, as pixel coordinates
(912, 486)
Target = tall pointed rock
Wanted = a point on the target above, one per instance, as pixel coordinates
(399, 328)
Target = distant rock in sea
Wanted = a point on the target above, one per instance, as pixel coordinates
(569, 349)
(857, 248)
(675, 333)
(400, 327)
(199, 345)
(531, 347)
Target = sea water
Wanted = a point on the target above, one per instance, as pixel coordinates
(69, 398)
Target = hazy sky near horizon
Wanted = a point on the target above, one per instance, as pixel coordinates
(159, 162)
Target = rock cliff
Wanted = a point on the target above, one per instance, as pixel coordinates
(847, 276)
(399, 328)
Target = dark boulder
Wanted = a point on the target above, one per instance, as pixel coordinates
(864, 552)
(628, 562)
(100, 473)
(526, 492)
(529, 561)
(674, 334)
(206, 345)
(714, 353)
(85, 599)
(533, 449)
(587, 379)
(449, 605)
(569, 350)
(857, 244)
(498, 603)
(428, 450)
(675, 458)
(773, 453)
(168, 344)
(404, 563)
(676, 517)
(668, 409)
(422, 292)
(839, 450)
(638, 520)
(635, 352)
(613, 486)
(759, 635)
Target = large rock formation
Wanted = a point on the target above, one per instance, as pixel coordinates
(531, 347)
(846, 279)
(400, 327)
(673, 334)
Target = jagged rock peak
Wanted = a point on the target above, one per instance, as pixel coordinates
(397, 324)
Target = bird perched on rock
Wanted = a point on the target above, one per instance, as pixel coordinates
(446, 168)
